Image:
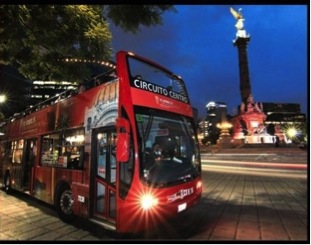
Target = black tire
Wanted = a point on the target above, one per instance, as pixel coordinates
(64, 203)
(7, 182)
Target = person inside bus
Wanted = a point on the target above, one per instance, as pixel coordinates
(67, 153)
(72, 162)
(153, 157)
(156, 153)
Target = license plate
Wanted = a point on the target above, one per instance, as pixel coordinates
(182, 207)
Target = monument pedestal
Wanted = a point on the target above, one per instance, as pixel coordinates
(252, 121)
(249, 127)
(259, 139)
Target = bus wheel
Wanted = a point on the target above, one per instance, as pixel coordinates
(64, 204)
(7, 182)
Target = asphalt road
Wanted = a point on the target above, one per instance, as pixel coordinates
(234, 207)
(251, 205)
(281, 164)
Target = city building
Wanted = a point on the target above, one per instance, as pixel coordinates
(22, 93)
(43, 90)
(283, 113)
(287, 117)
(216, 113)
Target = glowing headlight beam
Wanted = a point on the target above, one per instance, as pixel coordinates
(147, 201)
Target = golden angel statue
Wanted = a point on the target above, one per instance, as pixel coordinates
(238, 15)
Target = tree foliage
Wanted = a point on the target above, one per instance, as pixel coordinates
(35, 38)
(130, 17)
(1, 117)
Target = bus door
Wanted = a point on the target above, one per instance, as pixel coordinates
(104, 159)
(30, 157)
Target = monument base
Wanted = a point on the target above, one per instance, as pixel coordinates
(250, 127)
(259, 138)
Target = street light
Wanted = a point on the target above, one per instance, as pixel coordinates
(2, 98)
(292, 132)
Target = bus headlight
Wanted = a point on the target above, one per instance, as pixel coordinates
(148, 201)
(199, 185)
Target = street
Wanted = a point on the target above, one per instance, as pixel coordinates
(244, 207)
(235, 206)
(286, 163)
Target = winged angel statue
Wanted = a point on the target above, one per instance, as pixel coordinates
(238, 15)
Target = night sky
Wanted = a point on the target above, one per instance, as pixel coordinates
(197, 44)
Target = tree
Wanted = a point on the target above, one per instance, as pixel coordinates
(130, 17)
(36, 38)
(1, 117)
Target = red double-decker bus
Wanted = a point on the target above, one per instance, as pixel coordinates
(90, 153)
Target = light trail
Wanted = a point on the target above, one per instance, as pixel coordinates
(238, 154)
(260, 164)
(255, 171)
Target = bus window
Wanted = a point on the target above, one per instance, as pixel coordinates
(102, 154)
(72, 150)
(113, 161)
(68, 154)
(17, 151)
(180, 156)
(106, 156)
(49, 150)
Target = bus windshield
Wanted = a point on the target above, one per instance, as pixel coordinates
(178, 155)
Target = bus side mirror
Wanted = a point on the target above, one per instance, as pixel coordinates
(123, 140)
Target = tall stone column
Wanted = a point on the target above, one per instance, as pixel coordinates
(241, 42)
(245, 86)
